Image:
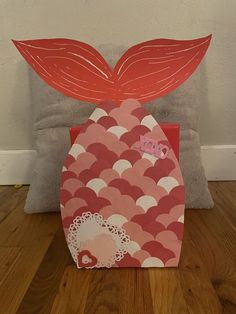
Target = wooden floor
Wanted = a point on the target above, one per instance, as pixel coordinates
(37, 274)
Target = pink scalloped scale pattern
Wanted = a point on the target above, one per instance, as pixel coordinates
(109, 184)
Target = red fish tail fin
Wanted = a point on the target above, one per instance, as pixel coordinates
(154, 68)
(145, 71)
(73, 68)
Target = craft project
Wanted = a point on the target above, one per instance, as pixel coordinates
(171, 131)
(122, 192)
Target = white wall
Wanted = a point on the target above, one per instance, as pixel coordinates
(125, 22)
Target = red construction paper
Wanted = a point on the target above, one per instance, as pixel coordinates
(145, 71)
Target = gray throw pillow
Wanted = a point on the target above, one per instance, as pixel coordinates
(55, 114)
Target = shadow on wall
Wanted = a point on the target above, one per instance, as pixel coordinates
(204, 115)
(22, 115)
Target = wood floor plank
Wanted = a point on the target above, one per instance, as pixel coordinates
(104, 295)
(38, 276)
(4, 188)
(228, 308)
(31, 234)
(10, 198)
(44, 286)
(119, 291)
(222, 230)
(73, 291)
(196, 285)
(225, 201)
(16, 283)
(167, 294)
(8, 257)
(108, 292)
(135, 292)
(20, 229)
(212, 249)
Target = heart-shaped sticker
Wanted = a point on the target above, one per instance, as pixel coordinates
(86, 259)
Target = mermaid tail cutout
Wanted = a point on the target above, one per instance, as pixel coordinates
(145, 71)
(122, 205)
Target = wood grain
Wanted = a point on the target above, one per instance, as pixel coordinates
(8, 257)
(167, 298)
(9, 199)
(16, 283)
(37, 274)
(73, 291)
(198, 291)
(119, 291)
(43, 288)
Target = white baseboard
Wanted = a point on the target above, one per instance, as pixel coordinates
(16, 166)
(219, 162)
